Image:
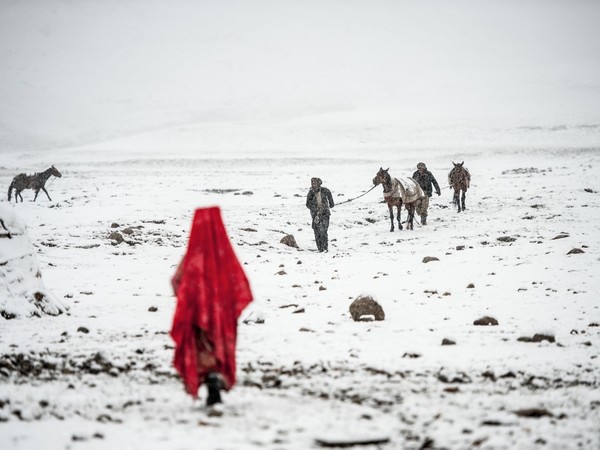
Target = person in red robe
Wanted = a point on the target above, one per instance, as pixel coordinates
(212, 290)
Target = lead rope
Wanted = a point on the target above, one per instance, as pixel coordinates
(352, 199)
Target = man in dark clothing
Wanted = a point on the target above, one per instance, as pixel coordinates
(425, 179)
(319, 200)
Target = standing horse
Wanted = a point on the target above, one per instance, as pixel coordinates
(396, 192)
(35, 182)
(459, 179)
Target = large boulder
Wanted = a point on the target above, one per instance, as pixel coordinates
(365, 307)
(22, 290)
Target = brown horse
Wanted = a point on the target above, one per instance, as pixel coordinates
(36, 182)
(396, 192)
(459, 179)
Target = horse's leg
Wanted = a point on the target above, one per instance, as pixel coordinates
(411, 216)
(37, 191)
(399, 207)
(44, 189)
(17, 195)
(391, 209)
(456, 201)
(464, 196)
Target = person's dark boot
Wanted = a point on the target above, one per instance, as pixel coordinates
(213, 384)
(423, 220)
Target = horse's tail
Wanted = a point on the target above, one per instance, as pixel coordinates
(10, 189)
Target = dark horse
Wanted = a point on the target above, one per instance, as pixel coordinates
(460, 179)
(35, 182)
(393, 193)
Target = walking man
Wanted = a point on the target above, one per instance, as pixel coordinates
(319, 200)
(425, 179)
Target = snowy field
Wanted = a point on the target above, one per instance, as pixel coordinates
(309, 370)
(153, 109)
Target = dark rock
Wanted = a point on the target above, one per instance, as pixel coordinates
(486, 320)
(537, 338)
(153, 309)
(535, 413)
(115, 225)
(289, 241)
(506, 239)
(460, 247)
(116, 236)
(560, 236)
(470, 286)
(366, 306)
(448, 342)
(128, 230)
(83, 330)
(322, 288)
(281, 272)
(429, 259)
(575, 251)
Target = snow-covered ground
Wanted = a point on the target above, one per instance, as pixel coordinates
(309, 370)
(150, 110)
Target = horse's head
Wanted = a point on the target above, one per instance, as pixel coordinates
(381, 177)
(459, 165)
(54, 171)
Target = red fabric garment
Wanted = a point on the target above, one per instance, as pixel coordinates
(212, 291)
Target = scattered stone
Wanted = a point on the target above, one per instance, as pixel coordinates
(589, 190)
(115, 225)
(575, 251)
(251, 230)
(560, 236)
(366, 306)
(281, 272)
(83, 330)
(411, 355)
(486, 320)
(306, 330)
(446, 341)
(299, 311)
(340, 442)
(470, 286)
(534, 413)
(322, 288)
(290, 241)
(153, 309)
(460, 247)
(593, 324)
(429, 259)
(537, 338)
(247, 193)
(116, 236)
(506, 239)
(489, 375)
(128, 231)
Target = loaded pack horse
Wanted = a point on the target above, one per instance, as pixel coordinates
(36, 182)
(397, 191)
(459, 179)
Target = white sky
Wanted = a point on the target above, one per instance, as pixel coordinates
(84, 70)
